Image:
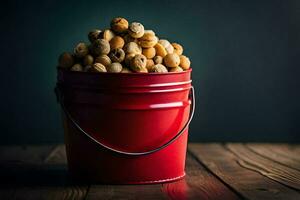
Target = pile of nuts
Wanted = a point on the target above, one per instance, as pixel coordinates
(125, 48)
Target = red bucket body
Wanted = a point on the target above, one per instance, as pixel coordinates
(127, 112)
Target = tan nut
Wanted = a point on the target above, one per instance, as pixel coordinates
(178, 49)
(119, 25)
(94, 35)
(169, 48)
(159, 68)
(138, 63)
(77, 67)
(103, 59)
(117, 55)
(128, 58)
(65, 60)
(160, 50)
(172, 60)
(132, 47)
(107, 35)
(149, 52)
(88, 60)
(100, 47)
(185, 62)
(98, 67)
(127, 38)
(175, 69)
(114, 67)
(136, 30)
(126, 70)
(148, 40)
(116, 42)
(158, 59)
(149, 64)
(81, 50)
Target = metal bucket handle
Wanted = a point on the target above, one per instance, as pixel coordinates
(60, 99)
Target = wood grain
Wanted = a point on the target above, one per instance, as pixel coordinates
(266, 167)
(267, 151)
(248, 183)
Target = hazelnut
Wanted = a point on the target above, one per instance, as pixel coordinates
(148, 40)
(88, 60)
(81, 50)
(159, 68)
(132, 47)
(117, 55)
(178, 49)
(127, 38)
(128, 58)
(176, 69)
(149, 64)
(126, 70)
(107, 35)
(119, 25)
(94, 35)
(158, 59)
(169, 48)
(149, 52)
(77, 67)
(65, 60)
(114, 67)
(172, 60)
(103, 59)
(98, 67)
(100, 46)
(160, 50)
(136, 30)
(138, 63)
(116, 42)
(185, 62)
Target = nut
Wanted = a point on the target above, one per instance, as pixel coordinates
(176, 69)
(100, 47)
(185, 62)
(132, 47)
(107, 35)
(136, 30)
(87, 68)
(128, 58)
(172, 60)
(127, 38)
(160, 50)
(169, 48)
(98, 67)
(178, 49)
(149, 52)
(149, 64)
(117, 55)
(158, 59)
(126, 70)
(159, 68)
(116, 42)
(119, 25)
(77, 67)
(103, 59)
(88, 60)
(114, 67)
(65, 60)
(138, 63)
(81, 50)
(94, 35)
(148, 40)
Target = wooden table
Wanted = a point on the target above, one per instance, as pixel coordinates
(214, 171)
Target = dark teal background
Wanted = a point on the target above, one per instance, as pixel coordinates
(243, 57)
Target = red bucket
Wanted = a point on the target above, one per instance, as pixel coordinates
(126, 128)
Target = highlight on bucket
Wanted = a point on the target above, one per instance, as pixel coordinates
(127, 102)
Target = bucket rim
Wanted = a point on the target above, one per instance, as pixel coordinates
(125, 74)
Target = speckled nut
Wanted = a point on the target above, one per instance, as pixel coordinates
(98, 67)
(107, 35)
(117, 55)
(128, 58)
(119, 25)
(185, 62)
(114, 67)
(127, 38)
(149, 64)
(138, 63)
(149, 52)
(178, 49)
(136, 30)
(65, 60)
(148, 40)
(100, 47)
(81, 50)
(77, 67)
(88, 60)
(126, 70)
(175, 69)
(160, 50)
(158, 59)
(159, 68)
(94, 35)
(132, 47)
(172, 60)
(169, 48)
(103, 59)
(116, 42)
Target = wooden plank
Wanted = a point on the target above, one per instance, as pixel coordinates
(267, 151)
(290, 151)
(198, 184)
(248, 183)
(266, 167)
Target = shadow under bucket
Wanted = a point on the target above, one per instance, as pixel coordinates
(126, 128)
